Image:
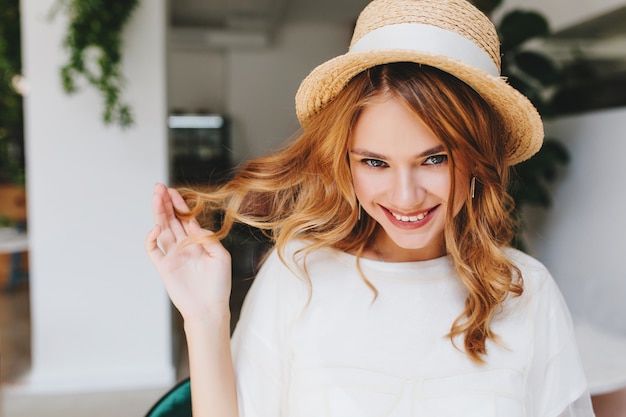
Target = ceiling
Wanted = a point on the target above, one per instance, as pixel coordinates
(601, 39)
(258, 14)
(607, 25)
(229, 24)
(251, 23)
(265, 14)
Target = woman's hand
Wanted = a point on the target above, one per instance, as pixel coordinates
(197, 276)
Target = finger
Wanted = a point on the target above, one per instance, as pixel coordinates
(178, 201)
(179, 204)
(151, 245)
(163, 220)
(174, 201)
(196, 229)
(210, 244)
(164, 215)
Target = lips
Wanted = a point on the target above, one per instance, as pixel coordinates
(412, 218)
(417, 218)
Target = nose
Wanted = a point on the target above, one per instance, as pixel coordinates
(407, 191)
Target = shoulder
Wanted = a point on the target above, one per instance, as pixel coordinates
(540, 289)
(554, 358)
(525, 262)
(535, 275)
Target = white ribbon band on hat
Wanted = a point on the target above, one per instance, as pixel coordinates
(430, 39)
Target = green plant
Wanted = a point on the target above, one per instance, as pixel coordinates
(11, 113)
(5, 222)
(94, 42)
(535, 75)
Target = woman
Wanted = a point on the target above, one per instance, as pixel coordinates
(391, 290)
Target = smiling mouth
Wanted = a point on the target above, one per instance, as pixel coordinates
(411, 219)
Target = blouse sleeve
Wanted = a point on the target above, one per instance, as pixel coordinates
(557, 382)
(581, 407)
(259, 340)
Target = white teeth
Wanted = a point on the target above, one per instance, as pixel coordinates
(417, 218)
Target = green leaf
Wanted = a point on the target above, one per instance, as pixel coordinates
(526, 89)
(538, 66)
(537, 195)
(519, 26)
(557, 150)
(96, 25)
(486, 6)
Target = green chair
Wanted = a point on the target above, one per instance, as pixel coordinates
(174, 403)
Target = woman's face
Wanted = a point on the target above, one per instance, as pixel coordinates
(402, 179)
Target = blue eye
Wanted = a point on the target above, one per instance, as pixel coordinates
(436, 160)
(374, 163)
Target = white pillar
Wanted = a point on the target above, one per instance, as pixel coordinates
(100, 316)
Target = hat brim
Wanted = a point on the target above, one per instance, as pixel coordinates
(522, 125)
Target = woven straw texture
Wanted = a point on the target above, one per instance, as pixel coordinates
(523, 128)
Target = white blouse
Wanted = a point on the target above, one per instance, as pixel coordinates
(342, 354)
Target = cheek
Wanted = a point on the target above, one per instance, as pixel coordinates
(461, 191)
(361, 173)
(360, 183)
(437, 183)
(353, 174)
(357, 180)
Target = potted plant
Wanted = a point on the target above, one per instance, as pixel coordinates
(535, 75)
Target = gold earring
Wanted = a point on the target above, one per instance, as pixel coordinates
(473, 187)
(359, 213)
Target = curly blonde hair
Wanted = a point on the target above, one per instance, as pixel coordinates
(304, 191)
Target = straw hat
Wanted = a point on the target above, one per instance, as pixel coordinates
(451, 35)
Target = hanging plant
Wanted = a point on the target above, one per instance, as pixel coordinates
(11, 113)
(94, 42)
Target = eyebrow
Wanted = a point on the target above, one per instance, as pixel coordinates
(369, 154)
